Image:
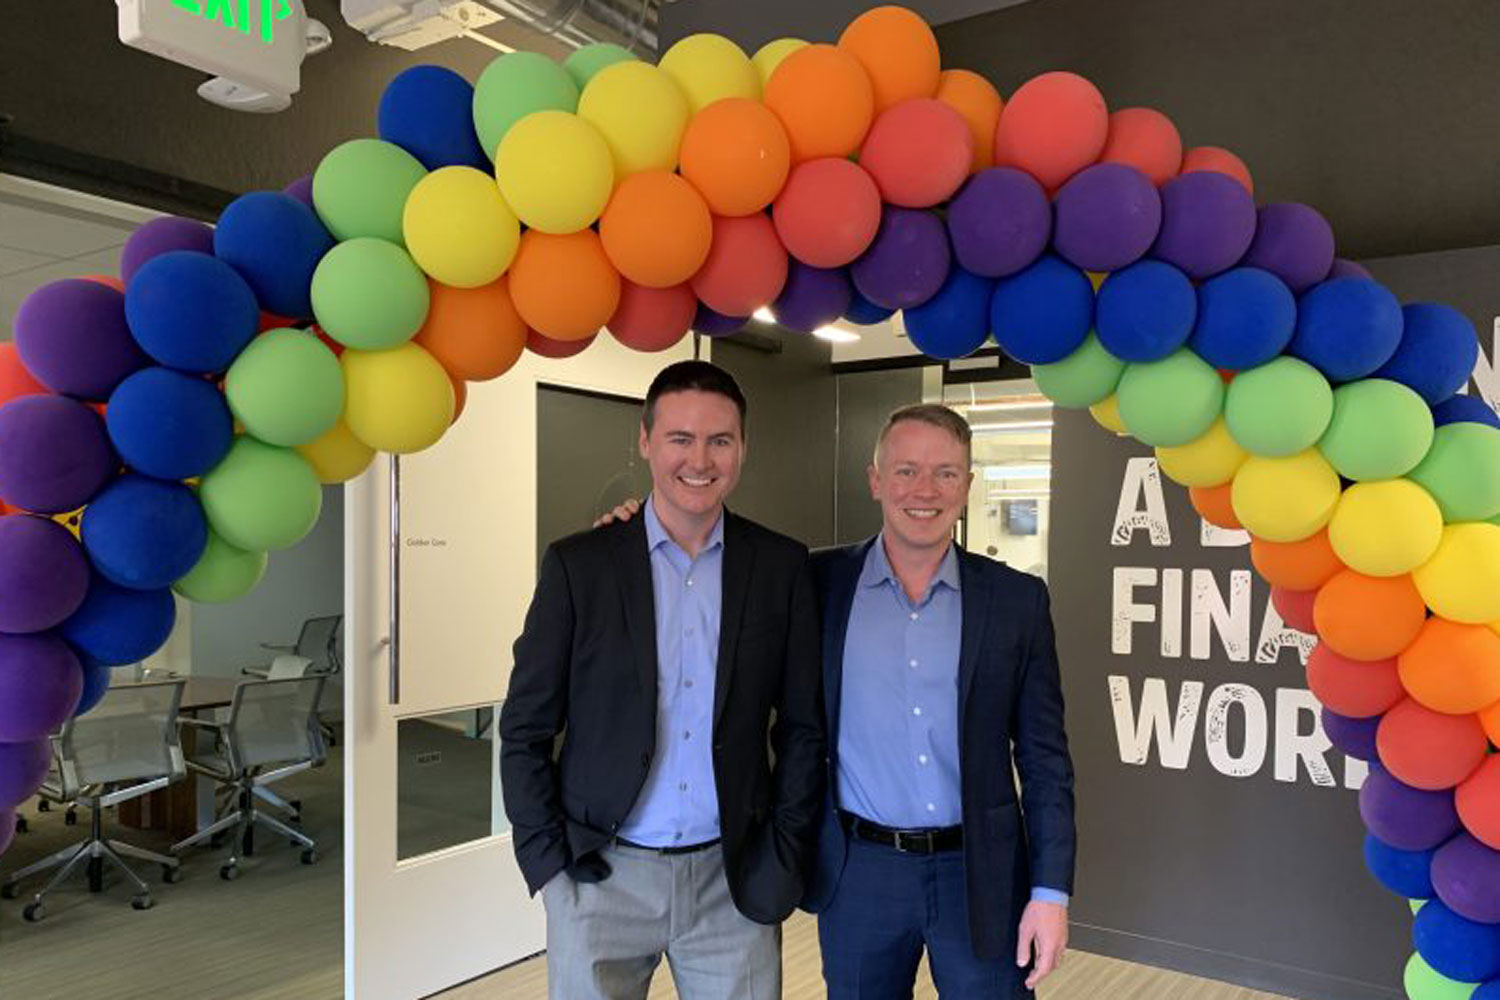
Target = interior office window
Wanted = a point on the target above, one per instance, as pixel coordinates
(446, 792)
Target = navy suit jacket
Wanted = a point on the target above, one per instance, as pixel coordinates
(1010, 696)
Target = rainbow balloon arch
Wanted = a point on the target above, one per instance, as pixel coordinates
(191, 408)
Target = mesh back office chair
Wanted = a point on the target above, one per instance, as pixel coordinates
(317, 642)
(126, 747)
(271, 732)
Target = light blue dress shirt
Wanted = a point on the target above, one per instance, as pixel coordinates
(898, 761)
(678, 806)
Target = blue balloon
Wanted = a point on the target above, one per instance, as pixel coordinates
(191, 311)
(1406, 873)
(1347, 328)
(429, 112)
(1145, 311)
(144, 533)
(1489, 991)
(1437, 351)
(169, 425)
(1245, 318)
(1044, 313)
(95, 682)
(275, 242)
(1455, 946)
(955, 322)
(863, 312)
(1458, 409)
(117, 625)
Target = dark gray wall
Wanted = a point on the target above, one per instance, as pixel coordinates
(865, 399)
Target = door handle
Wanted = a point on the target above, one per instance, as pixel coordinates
(393, 631)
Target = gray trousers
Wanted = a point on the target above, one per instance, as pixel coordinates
(605, 939)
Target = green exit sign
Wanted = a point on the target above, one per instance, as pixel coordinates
(236, 14)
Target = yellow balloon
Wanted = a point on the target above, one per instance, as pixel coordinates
(398, 400)
(640, 111)
(1211, 460)
(710, 68)
(458, 229)
(1285, 499)
(72, 520)
(1106, 414)
(1385, 528)
(555, 171)
(1096, 278)
(1462, 579)
(338, 456)
(769, 56)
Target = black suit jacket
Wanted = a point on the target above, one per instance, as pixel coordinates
(1009, 696)
(586, 670)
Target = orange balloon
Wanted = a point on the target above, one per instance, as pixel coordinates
(1356, 688)
(653, 319)
(1220, 160)
(1478, 802)
(1052, 127)
(1368, 617)
(1145, 139)
(15, 380)
(1212, 504)
(1490, 719)
(746, 265)
(1302, 565)
(899, 52)
(919, 153)
(736, 153)
(548, 348)
(656, 229)
(1427, 749)
(977, 100)
(460, 397)
(475, 333)
(564, 286)
(1453, 667)
(824, 100)
(107, 279)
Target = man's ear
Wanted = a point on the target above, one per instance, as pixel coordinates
(641, 444)
(874, 474)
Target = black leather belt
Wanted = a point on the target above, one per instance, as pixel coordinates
(683, 849)
(925, 841)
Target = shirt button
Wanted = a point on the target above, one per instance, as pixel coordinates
(916, 711)
(922, 758)
(913, 663)
(687, 734)
(688, 682)
(915, 616)
(687, 632)
(690, 581)
(678, 834)
(682, 786)
(931, 807)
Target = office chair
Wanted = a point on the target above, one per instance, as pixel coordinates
(126, 747)
(318, 643)
(271, 733)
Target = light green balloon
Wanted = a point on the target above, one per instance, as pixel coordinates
(1081, 379)
(512, 87)
(286, 388)
(1462, 471)
(1170, 402)
(584, 63)
(360, 188)
(1416, 904)
(1279, 409)
(1380, 430)
(261, 497)
(369, 294)
(1423, 982)
(223, 573)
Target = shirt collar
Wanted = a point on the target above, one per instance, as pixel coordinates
(877, 569)
(656, 532)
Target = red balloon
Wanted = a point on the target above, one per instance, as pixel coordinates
(919, 152)
(1054, 126)
(328, 342)
(15, 380)
(828, 212)
(1360, 689)
(1295, 608)
(1220, 160)
(549, 348)
(746, 266)
(652, 319)
(1146, 139)
(271, 321)
(1427, 749)
(1478, 801)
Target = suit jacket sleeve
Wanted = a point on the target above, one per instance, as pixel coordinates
(1041, 748)
(797, 737)
(534, 713)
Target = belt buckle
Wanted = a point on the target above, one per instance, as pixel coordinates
(907, 841)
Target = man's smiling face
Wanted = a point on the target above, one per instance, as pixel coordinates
(921, 478)
(695, 448)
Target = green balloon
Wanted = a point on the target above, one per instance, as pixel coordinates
(223, 573)
(1416, 904)
(1170, 402)
(261, 497)
(1462, 471)
(1380, 430)
(1423, 982)
(512, 87)
(1081, 379)
(369, 294)
(1279, 409)
(286, 388)
(360, 188)
(584, 63)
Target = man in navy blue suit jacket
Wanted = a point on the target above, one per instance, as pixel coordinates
(941, 688)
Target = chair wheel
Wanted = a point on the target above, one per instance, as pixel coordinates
(70, 818)
(229, 872)
(33, 912)
(141, 902)
(9, 890)
(171, 874)
(43, 806)
(309, 857)
(21, 825)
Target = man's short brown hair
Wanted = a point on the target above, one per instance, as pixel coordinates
(934, 415)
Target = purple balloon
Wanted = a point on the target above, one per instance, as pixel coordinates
(301, 189)
(1349, 269)
(1294, 243)
(1208, 222)
(72, 336)
(812, 297)
(1466, 875)
(1407, 818)
(7, 828)
(159, 236)
(44, 574)
(55, 454)
(1107, 217)
(907, 262)
(41, 681)
(1352, 737)
(715, 324)
(1000, 222)
(22, 768)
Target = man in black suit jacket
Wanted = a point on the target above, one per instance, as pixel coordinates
(936, 664)
(659, 651)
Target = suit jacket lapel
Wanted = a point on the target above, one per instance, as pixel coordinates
(639, 598)
(737, 567)
(842, 582)
(976, 602)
